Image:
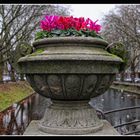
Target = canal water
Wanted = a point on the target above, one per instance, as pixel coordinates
(116, 99)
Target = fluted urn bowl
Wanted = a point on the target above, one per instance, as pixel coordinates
(69, 70)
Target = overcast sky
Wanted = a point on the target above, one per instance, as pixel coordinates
(92, 11)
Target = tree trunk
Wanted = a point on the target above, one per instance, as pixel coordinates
(1, 69)
(12, 75)
(133, 73)
(21, 77)
(122, 76)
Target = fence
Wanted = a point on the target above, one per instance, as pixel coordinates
(15, 119)
(121, 128)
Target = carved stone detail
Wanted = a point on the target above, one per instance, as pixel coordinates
(90, 83)
(70, 86)
(104, 82)
(71, 117)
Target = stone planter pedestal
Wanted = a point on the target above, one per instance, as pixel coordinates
(70, 71)
(72, 117)
(107, 130)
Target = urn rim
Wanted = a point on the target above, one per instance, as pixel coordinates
(71, 40)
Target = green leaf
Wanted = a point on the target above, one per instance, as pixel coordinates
(57, 32)
(93, 33)
(41, 35)
(67, 33)
(86, 33)
(63, 33)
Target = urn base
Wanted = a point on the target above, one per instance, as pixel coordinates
(70, 118)
(107, 130)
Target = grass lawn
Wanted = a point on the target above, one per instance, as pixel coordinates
(13, 92)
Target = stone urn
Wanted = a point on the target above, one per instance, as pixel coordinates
(70, 71)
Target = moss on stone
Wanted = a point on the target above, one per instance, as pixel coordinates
(38, 51)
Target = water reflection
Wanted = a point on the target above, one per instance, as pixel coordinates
(116, 99)
(35, 107)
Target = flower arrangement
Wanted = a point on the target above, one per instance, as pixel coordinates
(63, 26)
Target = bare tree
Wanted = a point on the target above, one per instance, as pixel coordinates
(123, 24)
(19, 23)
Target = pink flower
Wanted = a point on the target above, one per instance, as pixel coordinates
(49, 23)
(64, 23)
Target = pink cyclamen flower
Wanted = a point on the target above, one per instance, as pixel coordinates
(92, 25)
(54, 22)
(49, 23)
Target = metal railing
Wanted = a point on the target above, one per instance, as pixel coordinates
(15, 119)
(102, 115)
